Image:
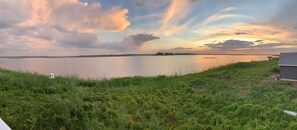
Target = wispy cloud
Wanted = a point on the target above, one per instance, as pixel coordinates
(225, 13)
(228, 9)
(217, 17)
(177, 11)
(149, 3)
(150, 16)
(181, 48)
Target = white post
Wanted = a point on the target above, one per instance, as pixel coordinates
(3, 125)
(51, 75)
(290, 113)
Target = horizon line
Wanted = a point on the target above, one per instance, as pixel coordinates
(119, 55)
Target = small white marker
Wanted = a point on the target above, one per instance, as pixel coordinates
(51, 75)
(3, 125)
(290, 113)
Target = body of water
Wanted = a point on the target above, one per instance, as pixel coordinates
(114, 67)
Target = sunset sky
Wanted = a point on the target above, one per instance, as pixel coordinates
(78, 27)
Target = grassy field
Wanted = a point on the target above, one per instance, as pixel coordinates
(237, 96)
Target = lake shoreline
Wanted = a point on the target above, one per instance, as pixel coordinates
(110, 67)
(122, 55)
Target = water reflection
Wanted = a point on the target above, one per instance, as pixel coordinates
(108, 67)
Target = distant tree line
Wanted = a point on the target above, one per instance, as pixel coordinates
(164, 53)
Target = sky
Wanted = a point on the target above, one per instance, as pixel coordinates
(83, 27)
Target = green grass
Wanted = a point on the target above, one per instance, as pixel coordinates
(237, 96)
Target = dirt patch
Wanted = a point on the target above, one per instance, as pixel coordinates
(270, 79)
(274, 77)
(242, 92)
(200, 90)
(294, 84)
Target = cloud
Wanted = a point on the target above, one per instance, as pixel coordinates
(26, 38)
(223, 14)
(285, 13)
(90, 18)
(66, 38)
(46, 36)
(228, 9)
(274, 45)
(131, 43)
(243, 45)
(72, 14)
(150, 16)
(11, 13)
(240, 33)
(181, 48)
(230, 45)
(51, 37)
(77, 39)
(271, 28)
(259, 41)
(149, 3)
(175, 17)
(245, 32)
(285, 19)
(39, 26)
(88, 40)
(174, 11)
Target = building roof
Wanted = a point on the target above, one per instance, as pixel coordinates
(288, 59)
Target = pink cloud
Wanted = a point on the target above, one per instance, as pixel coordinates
(41, 26)
(74, 15)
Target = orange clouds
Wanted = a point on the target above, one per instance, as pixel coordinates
(45, 26)
(176, 12)
(75, 15)
(38, 12)
(244, 31)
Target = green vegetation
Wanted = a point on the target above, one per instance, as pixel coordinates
(237, 96)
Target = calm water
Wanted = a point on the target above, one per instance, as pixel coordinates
(111, 67)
